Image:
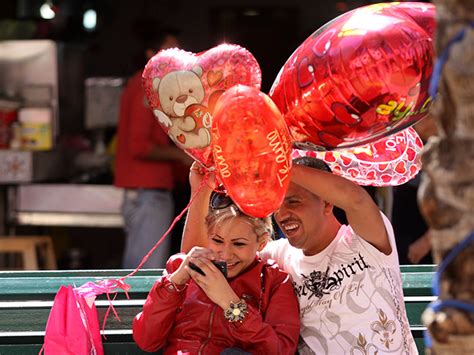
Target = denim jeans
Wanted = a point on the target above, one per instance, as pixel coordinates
(147, 215)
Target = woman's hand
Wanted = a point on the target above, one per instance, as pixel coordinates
(181, 275)
(196, 175)
(214, 284)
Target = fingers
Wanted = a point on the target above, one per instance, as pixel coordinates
(195, 166)
(210, 271)
(204, 264)
(196, 276)
(414, 256)
(412, 259)
(199, 252)
(198, 168)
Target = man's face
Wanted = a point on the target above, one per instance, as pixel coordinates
(300, 217)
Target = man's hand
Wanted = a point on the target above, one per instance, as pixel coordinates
(419, 248)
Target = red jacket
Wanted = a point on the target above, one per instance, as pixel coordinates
(190, 322)
(138, 132)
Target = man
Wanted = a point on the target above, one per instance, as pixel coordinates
(143, 167)
(347, 278)
(411, 229)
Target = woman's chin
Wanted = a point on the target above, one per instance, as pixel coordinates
(233, 270)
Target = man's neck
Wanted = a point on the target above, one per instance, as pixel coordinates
(323, 240)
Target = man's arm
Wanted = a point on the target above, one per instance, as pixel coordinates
(362, 213)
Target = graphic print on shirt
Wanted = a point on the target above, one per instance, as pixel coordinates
(385, 329)
(363, 347)
(351, 298)
(319, 283)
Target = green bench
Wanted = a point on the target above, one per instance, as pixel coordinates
(26, 299)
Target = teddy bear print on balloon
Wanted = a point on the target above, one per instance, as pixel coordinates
(177, 91)
(348, 94)
(182, 88)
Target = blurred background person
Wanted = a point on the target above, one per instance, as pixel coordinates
(411, 231)
(144, 168)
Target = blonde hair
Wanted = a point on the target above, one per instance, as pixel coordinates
(262, 226)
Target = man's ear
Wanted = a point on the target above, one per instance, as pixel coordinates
(262, 241)
(328, 207)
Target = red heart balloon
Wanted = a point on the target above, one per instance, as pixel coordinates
(251, 149)
(182, 89)
(390, 161)
(361, 77)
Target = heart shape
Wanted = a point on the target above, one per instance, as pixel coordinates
(351, 83)
(214, 77)
(181, 138)
(411, 154)
(329, 157)
(371, 175)
(346, 161)
(354, 173)
(388, 162)
(401, 168)
(182, 89)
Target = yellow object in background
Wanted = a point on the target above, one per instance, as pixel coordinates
(36, 128)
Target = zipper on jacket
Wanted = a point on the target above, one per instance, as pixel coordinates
(211, 320)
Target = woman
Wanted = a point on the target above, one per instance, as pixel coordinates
(194, 309)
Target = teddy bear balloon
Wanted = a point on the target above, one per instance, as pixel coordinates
(182, 89)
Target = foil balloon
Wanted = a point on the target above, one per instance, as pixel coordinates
(362, 76)
(182, 89)
(251, 149)
(390, 161)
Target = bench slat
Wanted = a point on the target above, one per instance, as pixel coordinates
(14, 320)
(44, 285)
(26, 299)
(109, 348)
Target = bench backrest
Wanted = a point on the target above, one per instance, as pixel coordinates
(26, 299)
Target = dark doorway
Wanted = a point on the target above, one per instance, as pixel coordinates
(270, 33)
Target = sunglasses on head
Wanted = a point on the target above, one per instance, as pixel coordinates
(220, 201)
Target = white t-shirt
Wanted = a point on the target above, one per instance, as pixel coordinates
(350, 296)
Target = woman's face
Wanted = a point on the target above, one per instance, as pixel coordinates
(236, 243)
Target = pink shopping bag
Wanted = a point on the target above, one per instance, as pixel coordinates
(73, 325)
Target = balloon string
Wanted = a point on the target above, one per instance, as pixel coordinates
(145, 258)
(111, 307)
(111, 285)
